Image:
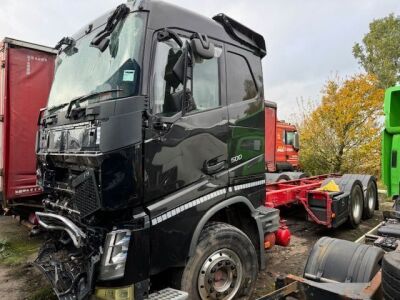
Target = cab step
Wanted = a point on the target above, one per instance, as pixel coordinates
(169, 294)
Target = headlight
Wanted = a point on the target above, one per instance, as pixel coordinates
(115, 254)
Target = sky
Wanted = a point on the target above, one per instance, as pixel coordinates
(308, 41)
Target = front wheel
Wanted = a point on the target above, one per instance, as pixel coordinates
(224, 266)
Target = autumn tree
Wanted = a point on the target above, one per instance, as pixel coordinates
(379, 52)
(343, 133)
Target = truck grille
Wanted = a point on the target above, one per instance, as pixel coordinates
(86, 197)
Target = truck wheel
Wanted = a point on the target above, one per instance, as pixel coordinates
(391, 275)
(224, 266)
(276, 177)
(355, 206)
(371, 197)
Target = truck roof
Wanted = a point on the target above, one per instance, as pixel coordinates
(24, 44)
(221, 27)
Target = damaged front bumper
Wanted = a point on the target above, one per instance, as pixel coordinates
(68, 259)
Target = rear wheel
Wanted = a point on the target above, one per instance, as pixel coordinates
(224, 266)
(355, 206)
(371, 197)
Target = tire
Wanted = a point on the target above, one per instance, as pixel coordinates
(391, 281)
(223, 252)
(391, 264)
(391, 275)
(276, 177)
(370, 190)
(296, 175)
(355, 206)
(390, 292)
(371, 198)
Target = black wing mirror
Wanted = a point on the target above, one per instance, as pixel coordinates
(202, 47)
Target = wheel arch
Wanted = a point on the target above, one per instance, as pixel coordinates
(233, 202)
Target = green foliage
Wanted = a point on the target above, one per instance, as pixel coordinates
(342, 134)
(379, 52)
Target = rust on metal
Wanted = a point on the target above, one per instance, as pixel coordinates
(374, 285)
(283, 292)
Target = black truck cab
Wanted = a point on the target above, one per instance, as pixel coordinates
(151, 155)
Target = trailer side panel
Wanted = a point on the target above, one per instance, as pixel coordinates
(3, 61)
(30, 74)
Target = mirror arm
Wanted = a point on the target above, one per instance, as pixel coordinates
(189, 64)
(167, 34)
(171, 119)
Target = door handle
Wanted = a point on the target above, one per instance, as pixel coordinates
(211, 167)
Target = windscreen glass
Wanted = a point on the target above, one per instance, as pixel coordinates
(82, 69)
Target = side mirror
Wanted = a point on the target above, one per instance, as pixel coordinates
(296, 142)
(202, 47)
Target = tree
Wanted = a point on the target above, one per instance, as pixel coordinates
(343, 133)
(379, 53)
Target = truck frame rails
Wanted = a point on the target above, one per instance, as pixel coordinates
(323, 206)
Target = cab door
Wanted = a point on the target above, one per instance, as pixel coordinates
(246, 115)
(189, 156)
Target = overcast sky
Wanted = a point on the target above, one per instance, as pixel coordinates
(308, 41)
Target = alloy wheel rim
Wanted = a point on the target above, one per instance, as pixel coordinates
(371, 200)
(220, 275)
(357, 207)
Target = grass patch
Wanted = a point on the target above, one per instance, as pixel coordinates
(15, 253)
(17, 247)
(45, 293)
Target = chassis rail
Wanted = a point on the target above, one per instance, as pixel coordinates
(323, 207)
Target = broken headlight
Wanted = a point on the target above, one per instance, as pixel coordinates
(115, 254)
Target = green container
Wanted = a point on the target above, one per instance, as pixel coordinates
(392, 110)
(391, 142)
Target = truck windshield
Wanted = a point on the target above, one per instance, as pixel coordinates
(82, 70)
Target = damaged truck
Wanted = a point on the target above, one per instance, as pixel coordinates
(145, 155)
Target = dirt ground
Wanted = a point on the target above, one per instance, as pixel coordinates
(20, 280)
(292, 260)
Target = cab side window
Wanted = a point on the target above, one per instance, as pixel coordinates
(166, 87)
(167, 90)
(206, 93)
(241, 84)
(290, 136)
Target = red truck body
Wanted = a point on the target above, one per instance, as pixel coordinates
(26, 75)
(280, 154)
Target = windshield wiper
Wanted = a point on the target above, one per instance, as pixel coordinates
(101, 40)
(68, 41)
(77, 101)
